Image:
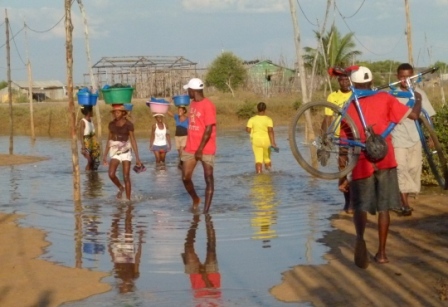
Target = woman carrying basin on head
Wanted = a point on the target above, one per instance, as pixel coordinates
(90, 148)
(120, 144)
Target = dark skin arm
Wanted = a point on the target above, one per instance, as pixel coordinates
(204, 140)
(272, 136)
(415, 113)
(106, 151)
(134, 147)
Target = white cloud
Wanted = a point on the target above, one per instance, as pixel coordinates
(242, 6)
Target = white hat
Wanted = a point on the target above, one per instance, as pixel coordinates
(158, 114)
(362, 75)
(194, 84)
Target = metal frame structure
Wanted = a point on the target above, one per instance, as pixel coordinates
(159, 76)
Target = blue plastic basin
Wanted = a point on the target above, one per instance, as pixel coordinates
(181, 100)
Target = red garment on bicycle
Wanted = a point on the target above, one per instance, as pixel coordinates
(379, 111)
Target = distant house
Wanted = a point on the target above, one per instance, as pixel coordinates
(42, 90)
(266, 77)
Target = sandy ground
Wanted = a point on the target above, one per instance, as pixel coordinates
(417, 274)
(28, 281)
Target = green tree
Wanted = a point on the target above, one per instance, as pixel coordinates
(3, 84)
(338, 51)
(226, 73)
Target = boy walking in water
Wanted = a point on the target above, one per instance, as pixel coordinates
(201, 143)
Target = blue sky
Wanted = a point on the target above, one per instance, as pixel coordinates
(200, 30)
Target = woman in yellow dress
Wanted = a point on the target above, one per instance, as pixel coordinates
(261, 129)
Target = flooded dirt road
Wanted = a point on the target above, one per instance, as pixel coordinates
(157, 252)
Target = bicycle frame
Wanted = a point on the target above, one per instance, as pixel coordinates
(359, 93)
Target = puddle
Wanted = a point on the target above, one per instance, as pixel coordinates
(259, 225)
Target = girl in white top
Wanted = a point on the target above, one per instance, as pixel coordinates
(90, 148)
(159, 142)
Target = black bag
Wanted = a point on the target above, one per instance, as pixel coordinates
(376, 146)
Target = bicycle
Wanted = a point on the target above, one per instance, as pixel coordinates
(317, 146)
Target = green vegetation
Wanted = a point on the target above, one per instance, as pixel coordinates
(338, 51)
(226, 73)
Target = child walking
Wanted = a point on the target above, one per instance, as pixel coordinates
(90, 148)
(180, 137)
(120, 144)
(159, 141)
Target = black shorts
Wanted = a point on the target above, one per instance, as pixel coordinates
(376, 193)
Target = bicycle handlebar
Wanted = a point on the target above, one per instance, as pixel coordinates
(429, 70)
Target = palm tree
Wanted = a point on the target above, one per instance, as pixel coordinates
(338, 50)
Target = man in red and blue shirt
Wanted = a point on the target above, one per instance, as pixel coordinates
(201, 142)
(374, 185)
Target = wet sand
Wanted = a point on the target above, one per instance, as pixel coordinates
(18, 159)
(417, 274)
(28, 281)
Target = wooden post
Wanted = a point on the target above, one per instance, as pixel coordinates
(300, 64)
(30, 88)
(301, 67)
(409, 33)
(71, 105)
(92, 77)
(8, 64)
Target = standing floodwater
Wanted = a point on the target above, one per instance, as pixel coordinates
(157, 252)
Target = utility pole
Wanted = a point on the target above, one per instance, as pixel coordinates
(8, 60)
(309, 133)
(92, 77)
(71, 104)
(300, 64)
(409, 33)
(30, 87)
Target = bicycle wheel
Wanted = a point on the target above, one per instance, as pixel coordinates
(318, 151)
(434, 153)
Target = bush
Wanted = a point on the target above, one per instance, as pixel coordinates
(296, 104)
(440, 121)
(247, 110)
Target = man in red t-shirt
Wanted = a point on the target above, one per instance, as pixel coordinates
(201, 142)
(374, 186)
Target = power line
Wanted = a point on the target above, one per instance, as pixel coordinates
(15, 45)
(48, 30)
(356, 12)
(13, 36)
(356, 38)
(304, 15)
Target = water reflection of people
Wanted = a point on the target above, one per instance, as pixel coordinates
(205, 278)
(125, 250)
(93, 185)
(265, 214)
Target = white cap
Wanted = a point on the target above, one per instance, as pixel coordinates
(194, 84)
(362, 75)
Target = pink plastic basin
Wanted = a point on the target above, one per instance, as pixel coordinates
(158, 107)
